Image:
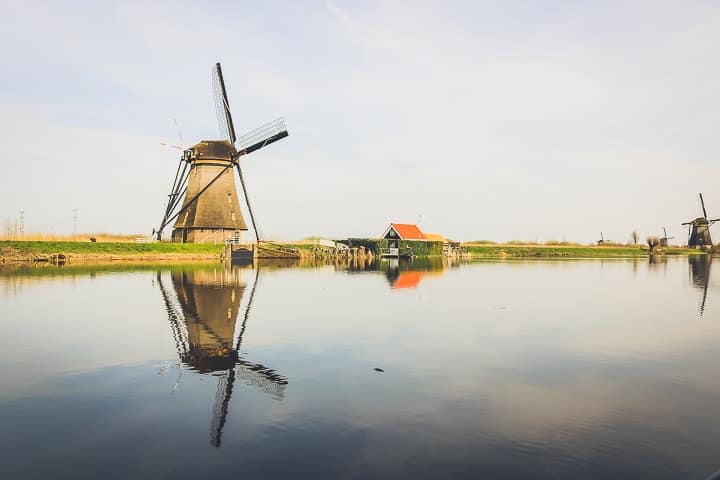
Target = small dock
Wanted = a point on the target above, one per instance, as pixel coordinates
(242, 252)
(238, 252)
(398, 252)
(390, 252)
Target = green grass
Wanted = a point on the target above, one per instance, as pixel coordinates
(41, 248)
(111, 248)
(300, 246)
(26, 269)
(566, 251)
(562, 243)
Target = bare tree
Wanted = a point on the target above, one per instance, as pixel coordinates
(634, 235)
(652, 243)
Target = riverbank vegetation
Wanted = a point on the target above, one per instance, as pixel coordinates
(12, 235)
(98, 251)
(29, 250)
(570, 251)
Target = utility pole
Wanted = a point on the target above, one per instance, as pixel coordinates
(22, 223)
(75, 217)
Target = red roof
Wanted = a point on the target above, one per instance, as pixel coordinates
(408, 232)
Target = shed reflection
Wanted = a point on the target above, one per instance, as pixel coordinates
(402, 273)
(407, 274)
(203, 315)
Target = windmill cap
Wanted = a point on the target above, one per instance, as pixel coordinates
(214, 150)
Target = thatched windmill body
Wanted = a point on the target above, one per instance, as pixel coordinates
(205, 179)
(699, 229)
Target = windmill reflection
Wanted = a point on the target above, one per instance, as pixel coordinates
(203, 314)
(699, 266)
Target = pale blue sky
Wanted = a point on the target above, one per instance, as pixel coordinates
(499, 120)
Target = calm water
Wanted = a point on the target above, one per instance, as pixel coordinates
(534, 370)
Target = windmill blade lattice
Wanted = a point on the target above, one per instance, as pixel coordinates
(262, 136)
(222, 106)
(702, 204)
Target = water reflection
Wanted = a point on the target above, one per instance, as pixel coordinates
(658, 262)
(539, 369)
(699, 268)
(409, 273)
(402, 273)
(203, 314)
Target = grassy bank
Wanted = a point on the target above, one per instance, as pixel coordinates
(112, 250)
(303, 247)
(575, 251)
(80, 269)
(80, 237)
(99, 251)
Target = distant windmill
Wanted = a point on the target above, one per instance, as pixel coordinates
(665, 238)
(205, 183)
(699, 229)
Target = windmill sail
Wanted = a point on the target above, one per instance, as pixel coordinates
(702, 203)
(262, 136)
(222, 106)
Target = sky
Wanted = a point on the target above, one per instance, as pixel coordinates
(507, 120)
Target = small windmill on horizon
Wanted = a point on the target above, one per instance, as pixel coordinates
(205, 181)
(664, 239)
(699, 229)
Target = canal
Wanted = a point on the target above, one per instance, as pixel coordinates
(592, 369)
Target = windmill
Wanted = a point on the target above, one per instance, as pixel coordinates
(203, 316)
(205, 181)
(664, 239)
(699, 229)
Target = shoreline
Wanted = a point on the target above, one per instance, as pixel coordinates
(43, 251)
(571, 251)
(86, 252)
